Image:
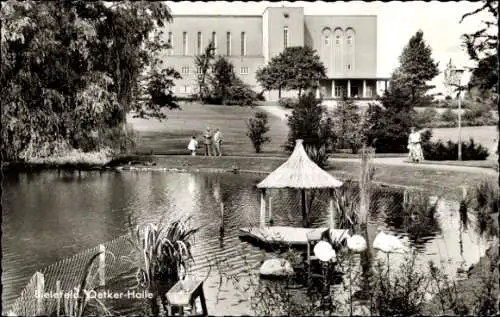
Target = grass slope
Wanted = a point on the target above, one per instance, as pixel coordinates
(172, 135)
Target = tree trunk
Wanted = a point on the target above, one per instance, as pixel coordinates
(300, 91)
(279, 93)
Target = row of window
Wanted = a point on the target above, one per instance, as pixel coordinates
(339, 34)
(200, 45)
(185, 70)
(187, 89)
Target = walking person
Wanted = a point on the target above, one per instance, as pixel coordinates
(193, 145)
(208, 140)
(218, 142)
(414, 147)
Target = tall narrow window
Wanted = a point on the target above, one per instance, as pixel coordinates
(228, 43)
(200, 43)
(214, 40)
(184, 43)
(243, 44)
(350, 50)
(285, 37)
(170, 43)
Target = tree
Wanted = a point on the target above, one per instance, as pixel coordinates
(417, 67)
(257, 128)
(223, 78)
(271, 77)
(226, 88)
(347, 125)
(203, 63)
(482, 47)
(310, 122)
(297, 68)
(70, 72)
(388, 127)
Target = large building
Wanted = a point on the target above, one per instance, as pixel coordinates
(347, 45)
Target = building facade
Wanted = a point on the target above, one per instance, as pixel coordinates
(346, 44)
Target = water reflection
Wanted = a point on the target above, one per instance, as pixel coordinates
(49, 216)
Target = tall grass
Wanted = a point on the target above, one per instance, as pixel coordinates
(414, 212)
(486, 204)
(76, 306)
(402, 293)
(164, 256)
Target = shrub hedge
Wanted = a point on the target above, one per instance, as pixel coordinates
(288, 103)
(448, 151)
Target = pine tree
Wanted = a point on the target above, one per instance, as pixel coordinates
(417, 67)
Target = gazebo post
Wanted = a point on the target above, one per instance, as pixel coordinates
(270, 208)
(305, 216)
(263, 207)
(331, 211)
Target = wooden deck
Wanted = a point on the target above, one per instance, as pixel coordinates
(287, 235)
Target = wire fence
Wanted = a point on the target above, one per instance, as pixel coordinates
(65, 276)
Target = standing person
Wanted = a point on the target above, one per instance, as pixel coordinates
(415, 149)
(218, 142)
(208, 142)
(193, 145)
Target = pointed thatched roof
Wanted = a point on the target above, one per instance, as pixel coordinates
(299, 171)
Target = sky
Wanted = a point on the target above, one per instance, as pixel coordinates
(397, 22)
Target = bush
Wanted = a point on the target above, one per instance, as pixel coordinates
(401, 294)
(257, 128)
(288, 103)
(449, 116)
(387, 130)
(241, 94)
(348, 126)
(309, 121)
(426, 118)
(440, 151)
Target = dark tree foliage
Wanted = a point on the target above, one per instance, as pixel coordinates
(347, 125)
(388, 126)
(226, 88)
(272, 76)
(72, 70)
(296, 68)
(482, 47)
(310, 122)
(417, 67)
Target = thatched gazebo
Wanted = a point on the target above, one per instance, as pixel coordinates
(298, 172)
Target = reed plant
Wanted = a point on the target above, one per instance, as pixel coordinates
(486, 203)
(164, 256)
(399, 293)
(76, 306)
(414, 212)
(346, 203)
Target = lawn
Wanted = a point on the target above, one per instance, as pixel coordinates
(482, 135)
(171, 136)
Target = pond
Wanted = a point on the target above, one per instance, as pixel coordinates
(49, 216)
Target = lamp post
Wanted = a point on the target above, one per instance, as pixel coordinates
(458, 73)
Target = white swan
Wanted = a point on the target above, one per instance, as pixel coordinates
(388, 243)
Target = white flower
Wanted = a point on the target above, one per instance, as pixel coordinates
(356, 243)
(324, 251)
